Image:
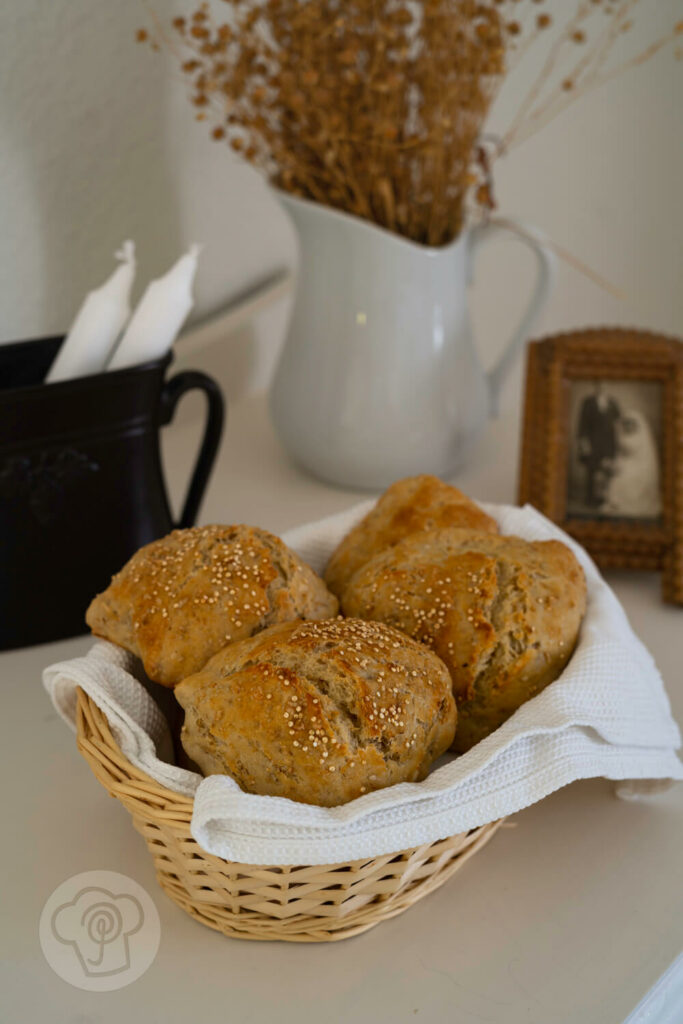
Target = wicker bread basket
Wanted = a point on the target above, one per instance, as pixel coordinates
(320, 903)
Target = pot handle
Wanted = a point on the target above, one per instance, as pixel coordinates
(171, 394)
(546, 267)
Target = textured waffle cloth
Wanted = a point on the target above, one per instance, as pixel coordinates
(607, 715)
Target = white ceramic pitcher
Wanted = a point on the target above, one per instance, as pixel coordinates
(379, 377)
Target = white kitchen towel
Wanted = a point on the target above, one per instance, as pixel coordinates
(607, 715)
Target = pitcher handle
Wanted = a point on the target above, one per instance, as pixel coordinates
(172, 392)
(546, 267)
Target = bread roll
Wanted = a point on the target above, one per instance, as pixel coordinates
(180, 599)
(319, 712)
(413, 505)
(503, 613)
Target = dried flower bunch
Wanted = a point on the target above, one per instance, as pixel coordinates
(377, 107)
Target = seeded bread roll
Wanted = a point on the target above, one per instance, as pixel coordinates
(180, 599)
(503, 614)
(319, 712)
(414, 505)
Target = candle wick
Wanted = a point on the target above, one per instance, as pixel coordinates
(127, 252)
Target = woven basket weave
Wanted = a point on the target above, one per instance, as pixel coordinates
(318, 903)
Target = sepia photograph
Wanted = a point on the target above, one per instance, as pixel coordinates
(614, 463)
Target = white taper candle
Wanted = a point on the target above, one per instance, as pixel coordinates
(99, 321)
(159, 315)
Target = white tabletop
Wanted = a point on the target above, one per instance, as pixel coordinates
(572, 915)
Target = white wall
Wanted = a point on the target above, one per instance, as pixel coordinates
(98, 143)
(604, 182)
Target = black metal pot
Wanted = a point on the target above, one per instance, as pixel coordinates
(81, 484)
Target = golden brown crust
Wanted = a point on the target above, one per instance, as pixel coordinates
(180, 599)
(503, 614)
(319, 712)
(414, 505)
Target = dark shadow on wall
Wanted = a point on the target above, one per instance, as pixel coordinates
(82, 157)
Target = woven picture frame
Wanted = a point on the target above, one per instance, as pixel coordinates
(620, 358)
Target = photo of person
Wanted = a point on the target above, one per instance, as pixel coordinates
(615, 450)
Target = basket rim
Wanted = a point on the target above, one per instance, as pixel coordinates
(298, 902)
(143, 796)
(88, 711)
